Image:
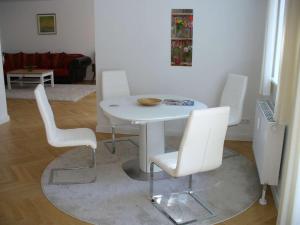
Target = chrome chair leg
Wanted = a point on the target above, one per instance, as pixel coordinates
(190, 182)
(113, 143)
(189, 192)
(92, 165)
(151, 181)
(212, 214)
(156, 204)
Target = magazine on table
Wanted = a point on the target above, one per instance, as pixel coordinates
(186, 102)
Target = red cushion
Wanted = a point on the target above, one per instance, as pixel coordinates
(8, 63)
(7, 66)
(61, 72)
(45, 61)
(30, 59)
(66, 61)
(58, 60)
(68, 58)
(13, 61)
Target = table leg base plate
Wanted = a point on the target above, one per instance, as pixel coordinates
(132, 169)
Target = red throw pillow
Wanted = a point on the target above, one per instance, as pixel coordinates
(13, 60)
(45, 61)
(58, 60)
(69, 57)
(9, 61)
(30, 59)
(18, 60)
(66, 61)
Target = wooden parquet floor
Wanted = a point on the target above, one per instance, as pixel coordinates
(24, 153)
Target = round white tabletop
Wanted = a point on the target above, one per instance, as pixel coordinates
(151, 120)
(127, 108)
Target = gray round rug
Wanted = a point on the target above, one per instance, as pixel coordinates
(116, 199)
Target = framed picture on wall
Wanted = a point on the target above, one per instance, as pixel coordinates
(46, 23)
(182, 37)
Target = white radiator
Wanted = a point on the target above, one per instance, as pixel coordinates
(267, 145)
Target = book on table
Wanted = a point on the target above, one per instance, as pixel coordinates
(186, 102)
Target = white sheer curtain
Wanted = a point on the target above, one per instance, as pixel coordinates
(269, 49)
(287, 85)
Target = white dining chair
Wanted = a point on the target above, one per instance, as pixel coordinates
(201, 150)
(115, 84)
(233, 95)
(57, 137)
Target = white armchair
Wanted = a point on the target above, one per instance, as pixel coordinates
(115, 84)
(201, 148)
(64, 137)
(233, 95)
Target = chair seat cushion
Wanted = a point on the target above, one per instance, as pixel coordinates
(75, 137)
(166, 162)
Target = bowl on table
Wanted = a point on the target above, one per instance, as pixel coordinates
(149, 101)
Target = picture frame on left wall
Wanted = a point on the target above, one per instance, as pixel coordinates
(46, 23)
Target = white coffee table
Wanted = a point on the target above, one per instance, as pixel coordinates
(151, 120)
(26, 76)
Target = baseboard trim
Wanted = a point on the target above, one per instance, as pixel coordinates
(4, 119)
(275, 194)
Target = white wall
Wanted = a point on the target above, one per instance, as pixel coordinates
(75, 26)
(228, 37)
(3, 107)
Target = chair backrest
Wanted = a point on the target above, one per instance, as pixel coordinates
(114, 84)
(46, 113)
(234, 95)
(201, 147)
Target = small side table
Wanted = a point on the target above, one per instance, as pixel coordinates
(36, 76)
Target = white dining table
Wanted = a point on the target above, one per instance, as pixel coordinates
(150, 120)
